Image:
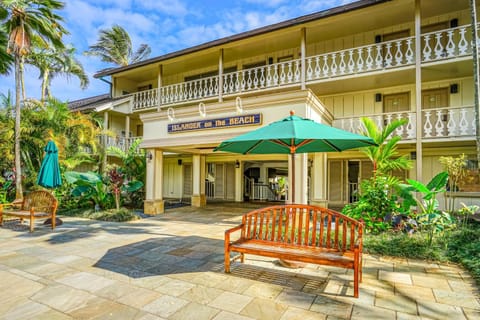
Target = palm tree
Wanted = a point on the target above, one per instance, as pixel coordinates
(53, 62)
(5, 59)
(6, 131)
(26, 19)
(73, 132)
(114, 46)
(384, 156)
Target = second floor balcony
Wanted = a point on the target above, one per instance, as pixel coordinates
(436, 124)
(441, 46)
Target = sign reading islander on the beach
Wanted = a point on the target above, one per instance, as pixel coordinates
(235, 121)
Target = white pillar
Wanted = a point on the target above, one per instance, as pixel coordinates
(105, 140)
(418, 90)
(159, 85)
(239, 182)
(318, 182)
(303, 52)
(300, 185)
(220, 76)
(198, 188)
(154, 203)
(127, 132)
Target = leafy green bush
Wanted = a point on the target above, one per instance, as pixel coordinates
(375, 202)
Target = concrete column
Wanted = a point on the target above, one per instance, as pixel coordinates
(159, 85)
(239, 182)
(154, 203)
(105, 140)
(318, 182)
(418, 89)
(198, 189)
(220, 76)
(127, 132)
(303, 52)
(301, 179)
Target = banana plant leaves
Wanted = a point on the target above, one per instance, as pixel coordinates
(49, 174)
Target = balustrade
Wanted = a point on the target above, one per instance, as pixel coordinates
(145, 99)
(436, 46)
(453, 122)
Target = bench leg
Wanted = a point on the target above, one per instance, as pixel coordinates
(227, 262)
(357, 267)
(32, 224)
(53, 221)
(355, 283)
(242, 257)
(1, 218)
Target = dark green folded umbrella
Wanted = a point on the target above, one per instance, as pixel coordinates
(49, 174)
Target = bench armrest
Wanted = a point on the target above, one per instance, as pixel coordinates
(229, 231)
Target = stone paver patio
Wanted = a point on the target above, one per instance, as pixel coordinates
(171, 267)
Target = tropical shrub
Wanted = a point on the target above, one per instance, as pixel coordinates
(430, 218)
(91, 187)
(376, 200)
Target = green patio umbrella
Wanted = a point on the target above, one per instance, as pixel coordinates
(293, 135)
(49, 174)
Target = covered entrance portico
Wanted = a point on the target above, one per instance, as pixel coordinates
(181, 163)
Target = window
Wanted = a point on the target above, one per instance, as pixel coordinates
(146, 87)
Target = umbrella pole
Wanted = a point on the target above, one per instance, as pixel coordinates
(292, 155)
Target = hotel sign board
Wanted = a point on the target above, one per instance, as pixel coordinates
(228, 122)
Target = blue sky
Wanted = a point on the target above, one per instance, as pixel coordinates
(166, 25)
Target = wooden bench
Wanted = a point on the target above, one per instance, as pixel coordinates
(300, 233)
(35, 205)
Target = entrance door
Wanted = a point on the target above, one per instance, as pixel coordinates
(353, 180)
(397, 102)
(435, 98)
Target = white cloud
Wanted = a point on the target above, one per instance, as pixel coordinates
(169, 7)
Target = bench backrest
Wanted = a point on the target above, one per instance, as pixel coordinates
(303, 225)
(40, 201)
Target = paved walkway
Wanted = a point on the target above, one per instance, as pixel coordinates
(171, 267)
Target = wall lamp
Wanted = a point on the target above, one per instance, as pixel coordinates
(237, 164)
(149, 155)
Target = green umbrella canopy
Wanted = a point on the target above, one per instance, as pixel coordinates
(294, 134)
(49, 174)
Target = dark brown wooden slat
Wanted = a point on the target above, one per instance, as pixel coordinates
(344, 235)
(293, 215)
(329, 232)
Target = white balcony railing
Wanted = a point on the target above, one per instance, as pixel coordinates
(453, 122)
(120, 142)
(190, 90)
(436, 46)
(145, 99)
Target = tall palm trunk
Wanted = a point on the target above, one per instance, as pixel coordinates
(22, 79)
(44, 86)
(18, 162)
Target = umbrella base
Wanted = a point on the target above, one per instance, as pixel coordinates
(291, 264)
(58, 221)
